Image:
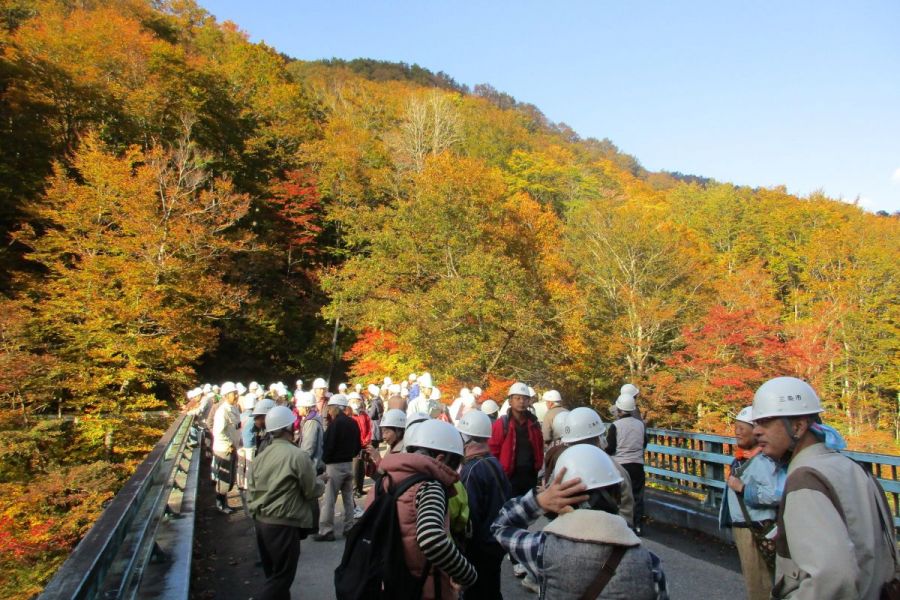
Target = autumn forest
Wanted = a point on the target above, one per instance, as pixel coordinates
(179, 205)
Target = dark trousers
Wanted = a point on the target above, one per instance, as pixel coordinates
(359, 474)
(636, 472)
(522, 480)
(279, 549)
(486, 558)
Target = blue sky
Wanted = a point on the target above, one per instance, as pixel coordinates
(803, 94)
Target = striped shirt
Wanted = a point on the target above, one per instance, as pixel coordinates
(433, 538)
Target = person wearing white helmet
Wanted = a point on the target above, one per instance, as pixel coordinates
(423, 401)
(393, 428)
(835, 530)
(584, 426)
(364, 422)
(517, 442)
(626, 439)
(260, 438)
(749, 507)
(320, 392)
(298, 386)
(457, 404)
(434, 450)
(588, 551)
(226, 441)
(487, 489)
(413, 386)
(246, 451)
(490, 408)
(312, 430)
(553, 401)
(283, 493)
(341, 446)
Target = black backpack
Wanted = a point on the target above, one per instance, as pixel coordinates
(373, 565)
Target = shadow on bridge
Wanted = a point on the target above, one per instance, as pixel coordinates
(226, 566)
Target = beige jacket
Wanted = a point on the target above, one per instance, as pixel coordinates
(819, 556)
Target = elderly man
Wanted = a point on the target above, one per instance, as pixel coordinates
(226, 441)
(553, 400)
(342, 444)
(835, 531)
(754, 490)
(283, 493)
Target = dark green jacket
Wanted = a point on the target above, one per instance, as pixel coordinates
(283, 486)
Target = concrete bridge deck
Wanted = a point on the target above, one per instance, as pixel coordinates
(225, 560)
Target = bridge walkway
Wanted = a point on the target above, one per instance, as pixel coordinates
(225, 559)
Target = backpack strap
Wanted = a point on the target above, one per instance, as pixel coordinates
(804, 478)
(605, 575)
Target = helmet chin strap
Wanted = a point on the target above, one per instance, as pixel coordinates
(795, 439)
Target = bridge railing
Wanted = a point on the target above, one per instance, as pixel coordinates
(110, 561)
(695, 464)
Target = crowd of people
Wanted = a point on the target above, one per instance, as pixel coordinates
(462, 483)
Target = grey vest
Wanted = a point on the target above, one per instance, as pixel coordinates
(629, 441)
(570, 565)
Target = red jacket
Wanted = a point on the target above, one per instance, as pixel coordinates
(503, 442)
(365, 428)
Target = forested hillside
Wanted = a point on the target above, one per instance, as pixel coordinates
(177, 204)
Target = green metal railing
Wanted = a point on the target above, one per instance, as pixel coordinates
(694, 463)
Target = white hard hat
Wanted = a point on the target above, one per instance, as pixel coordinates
(489, 407)
(476, 391)
(583, 423)
(463, 392)
(559, 424)
(194, 393)
(319, 384)
(240, 388)
(207, 388)
(305, 400)
(412, 377)
(394, 389)
(373, 389)
(388, 381)
(746, 415)
(228, 388)
(358, 387)
(551, 396)
(625, 402)
(435, 394)
(630, 389)
(468, 401)
(354, 396)
(342, 387)
(416, 417)
(531, 392)
(404, 393)
(785, 397)
(247, 401)
(435, 435)
(263, 407)
(590, 464)
(338, 400)
(253, 386)
(299, 384)
(425, 380)
(475, 423)
(394, 418)
(518, 389)
(279, 417)
(215, 389)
